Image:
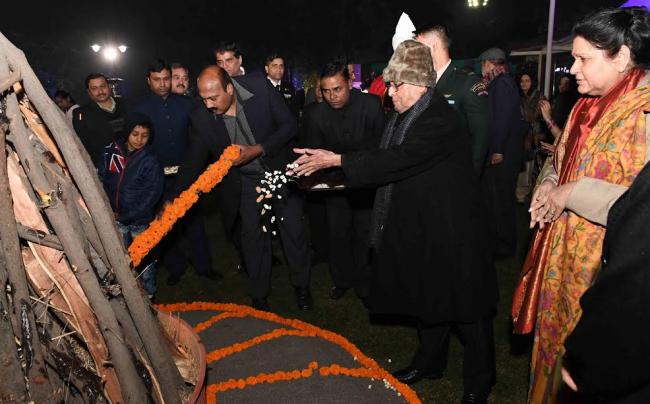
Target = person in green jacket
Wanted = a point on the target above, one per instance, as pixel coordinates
(464, 91)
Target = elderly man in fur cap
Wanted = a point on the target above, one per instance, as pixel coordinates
(430, 258)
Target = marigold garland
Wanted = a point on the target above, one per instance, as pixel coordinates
(158, 228)
(208, 323)
(370, 369)
(241, 346)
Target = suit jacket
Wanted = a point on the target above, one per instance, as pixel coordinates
(465, 92)
(96, 128)
(507, 126)
(272, 125)
(290, 96)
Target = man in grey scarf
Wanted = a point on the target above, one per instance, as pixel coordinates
(430, 255)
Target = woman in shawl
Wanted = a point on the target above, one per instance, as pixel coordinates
(598, 156)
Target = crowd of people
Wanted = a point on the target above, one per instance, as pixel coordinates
(421, 201)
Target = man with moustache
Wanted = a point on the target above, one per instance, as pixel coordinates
(348, 120)
(180, 79)
(247, 112)
(170, 116)
(102, 119)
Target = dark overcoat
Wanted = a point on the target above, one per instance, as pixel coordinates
(272, 124)
(433, 261)
(608, 352)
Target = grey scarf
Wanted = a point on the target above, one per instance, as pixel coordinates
(393, 136)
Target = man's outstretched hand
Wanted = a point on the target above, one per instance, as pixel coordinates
(312, 160)
(247, 153)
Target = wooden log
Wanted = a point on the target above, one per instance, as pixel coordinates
(61, 356)
(54, 281)
(40, 386)
(84, 175)
(82, 211)
(36, 125)
(9, 81)
(39, 237)
(133, 390)
(12, 388)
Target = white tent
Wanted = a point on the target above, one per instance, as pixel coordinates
(560, 46)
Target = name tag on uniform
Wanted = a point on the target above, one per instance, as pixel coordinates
(451, 102)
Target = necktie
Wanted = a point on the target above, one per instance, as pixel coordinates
(277, 87)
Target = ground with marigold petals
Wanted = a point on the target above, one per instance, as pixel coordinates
(256, 356)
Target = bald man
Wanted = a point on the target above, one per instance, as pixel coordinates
(247, 112)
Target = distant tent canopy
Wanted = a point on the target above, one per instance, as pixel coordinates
(560, 46)
(637, 3)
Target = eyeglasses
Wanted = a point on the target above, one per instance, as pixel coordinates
(394, 86)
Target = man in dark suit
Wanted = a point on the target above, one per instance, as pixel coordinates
(274, 67)
(247, 112)
(348, 120)
(465, 92)
(102, 119)
(505, 153)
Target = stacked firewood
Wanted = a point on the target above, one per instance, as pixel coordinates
(75, 325)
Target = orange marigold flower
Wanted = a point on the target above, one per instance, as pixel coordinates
(143, 243)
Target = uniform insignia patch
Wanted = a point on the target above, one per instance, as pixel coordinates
(479, 88)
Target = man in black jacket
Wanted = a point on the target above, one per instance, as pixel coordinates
(248, 113)
(101, 120)
(348, 120)
(428, 232)
(506, 126)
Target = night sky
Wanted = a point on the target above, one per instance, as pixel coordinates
(57, 39)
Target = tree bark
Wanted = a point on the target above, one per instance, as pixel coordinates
(133, 390)
(86, 179)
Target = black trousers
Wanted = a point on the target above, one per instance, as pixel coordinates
(348, 221)
(499, 187)
(479, 368)
(317, 218)
(192, 228)
(256, 244)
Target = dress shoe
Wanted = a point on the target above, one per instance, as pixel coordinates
(337, 292)
(303, 298)
(212, 275)
(261, 304)
(410, 375)
(473, 398)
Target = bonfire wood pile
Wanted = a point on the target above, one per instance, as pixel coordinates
(74, 324)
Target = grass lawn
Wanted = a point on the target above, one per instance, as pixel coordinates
(390, 345)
